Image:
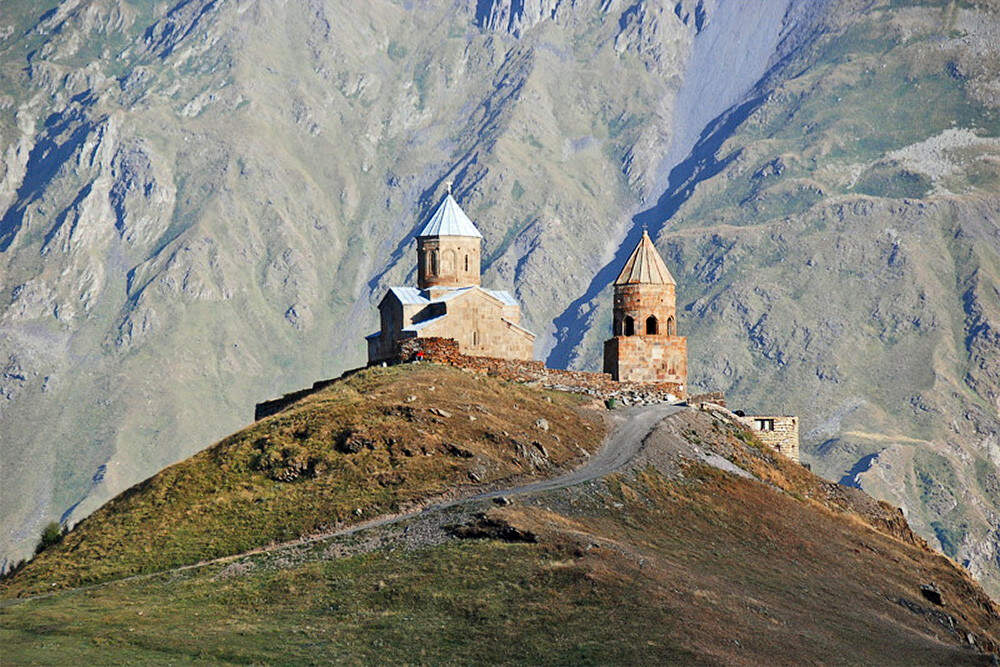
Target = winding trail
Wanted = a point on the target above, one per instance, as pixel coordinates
(620, 447)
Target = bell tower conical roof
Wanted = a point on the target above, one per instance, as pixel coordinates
(645, 266)
(449, 220)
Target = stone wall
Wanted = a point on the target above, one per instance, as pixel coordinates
(599, 385)
(276, 405)
(528, 371)
(642, 358)
(778, 431)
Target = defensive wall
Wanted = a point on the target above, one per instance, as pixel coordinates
(446, 351)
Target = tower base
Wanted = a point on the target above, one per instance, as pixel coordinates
(646, 359)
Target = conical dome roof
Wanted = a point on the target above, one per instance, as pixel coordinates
(449, 220)
(645, 266)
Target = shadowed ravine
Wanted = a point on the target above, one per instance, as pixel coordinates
(700, 165)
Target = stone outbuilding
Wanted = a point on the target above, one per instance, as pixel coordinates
(778, 431)
(449, 301)
(645, 346)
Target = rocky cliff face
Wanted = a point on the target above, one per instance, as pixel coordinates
(201, 201)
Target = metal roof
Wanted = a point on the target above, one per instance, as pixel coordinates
(645, 266)
(409, 296)
(449, 220)
(451, 293)
(502, 295)
(420, 325)
(517, 326)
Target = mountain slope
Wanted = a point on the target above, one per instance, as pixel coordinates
(214, 194)
(705, 547)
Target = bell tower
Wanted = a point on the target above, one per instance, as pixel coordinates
(645, 346)
(448, 248)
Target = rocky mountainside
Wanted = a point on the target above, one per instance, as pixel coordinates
(201, 201)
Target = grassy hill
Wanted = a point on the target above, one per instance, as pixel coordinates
(671, 559)
(202, 201)
(374, 443)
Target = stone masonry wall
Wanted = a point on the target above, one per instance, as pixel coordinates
(529, 371)
(476, 321)
(784, 437)
(647, 358)
(599, 385)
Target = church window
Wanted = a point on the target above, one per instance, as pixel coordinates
(475, 338)
(434, 262)
(671, 329)
(651, 326)
(466, 262)
(629, 326)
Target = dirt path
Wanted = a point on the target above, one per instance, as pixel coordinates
(621, 445)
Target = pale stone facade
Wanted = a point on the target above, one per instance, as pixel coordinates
(778, 431)
(449, 301)
(645, 346)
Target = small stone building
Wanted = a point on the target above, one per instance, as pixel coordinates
(645, 346)
(778, 431)
(448, 301)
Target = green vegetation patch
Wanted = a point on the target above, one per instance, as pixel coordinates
(889, 180)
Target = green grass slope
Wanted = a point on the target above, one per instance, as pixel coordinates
(672, 561)
(368, 445)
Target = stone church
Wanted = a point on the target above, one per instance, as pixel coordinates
(645, 346)
(448, 301)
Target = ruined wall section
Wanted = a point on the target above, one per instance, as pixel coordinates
(529, 371)
(599, 385)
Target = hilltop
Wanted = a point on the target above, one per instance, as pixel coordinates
(691, 541)
(200, 201)
(375, 443)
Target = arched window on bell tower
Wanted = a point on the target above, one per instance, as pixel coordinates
(629, 325)
(671, 328)
(434, 262)
(652, 326)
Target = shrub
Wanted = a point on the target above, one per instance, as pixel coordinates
(611, 403)
(51, 534)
